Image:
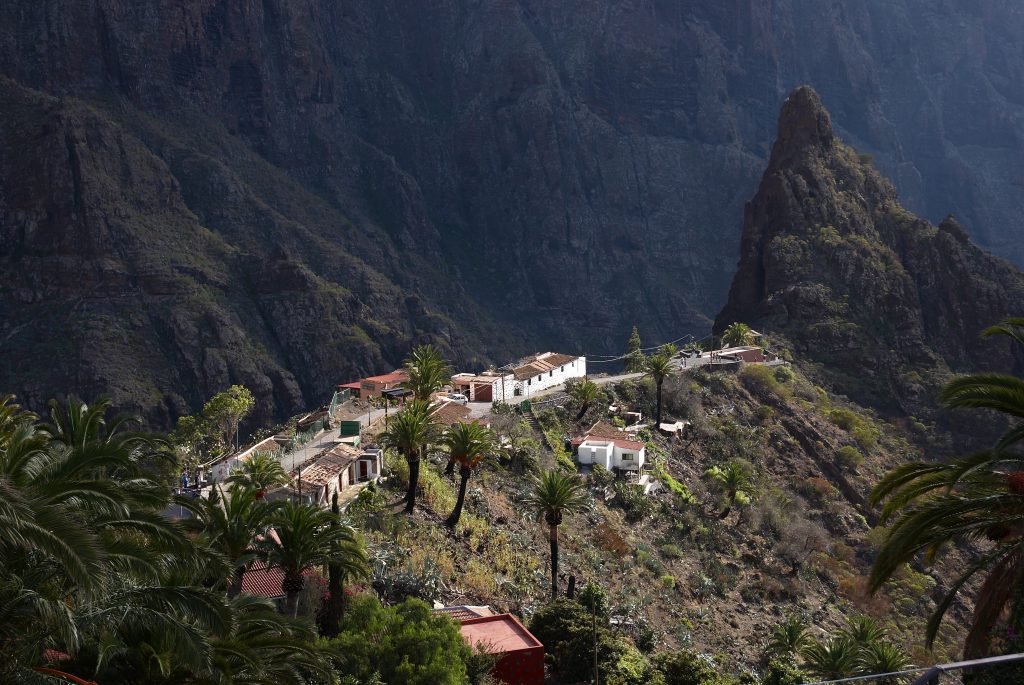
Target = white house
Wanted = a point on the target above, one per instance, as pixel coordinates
(545, 370)
(335, 470)
(527, 377)
(612, 453)
(223, 467)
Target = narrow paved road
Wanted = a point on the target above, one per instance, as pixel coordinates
(325, 440)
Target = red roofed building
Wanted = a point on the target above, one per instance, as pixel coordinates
(373, 386)
(611, 452)
(522, 655)
(265, 582)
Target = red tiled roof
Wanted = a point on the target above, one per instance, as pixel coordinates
(464, 613)
(393, 377)
(559, 359)
(329, 464)
(499, 634)
(605, 430)
(618, 442)
(262, 581)
(265, 582)
(354, 385)
(628, 444)
(449, 414)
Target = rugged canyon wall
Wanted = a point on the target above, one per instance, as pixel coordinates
(340, 179)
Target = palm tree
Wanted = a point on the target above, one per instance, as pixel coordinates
(659, 367)
(864, 630)
(835, 658)
(232, 523)
(260, 472)
(789, 637)
(669, 350)
(266, 647)
(584, 393)
(205, 639)
(468, 444)
(407, 434)
(552, 495)
(79, 516)
(884, 657)
(428, 372)
(737, 335)
(733, 481)
(335, 583)
(980, 496)
(306, 537)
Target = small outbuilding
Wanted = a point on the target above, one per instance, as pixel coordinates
(521, 655)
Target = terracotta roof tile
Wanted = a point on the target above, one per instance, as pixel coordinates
(449, 414)
(538, 364)
(265, 582)
(462, 613)
(393, 377)
(330, 464)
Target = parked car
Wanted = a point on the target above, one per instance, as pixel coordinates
(458, 398)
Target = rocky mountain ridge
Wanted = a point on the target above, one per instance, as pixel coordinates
(886, 303)
(517, 174)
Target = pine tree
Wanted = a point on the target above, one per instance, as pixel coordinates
(634, 355)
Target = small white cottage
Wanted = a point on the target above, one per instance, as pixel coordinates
(612, 453)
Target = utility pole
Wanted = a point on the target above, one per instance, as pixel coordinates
(597, 674)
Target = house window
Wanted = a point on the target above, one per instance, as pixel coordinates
(529, 381)
(561, 368)
(539, 377)
(627, 457)
(551, 373)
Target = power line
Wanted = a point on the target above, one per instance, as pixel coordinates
(607, 359)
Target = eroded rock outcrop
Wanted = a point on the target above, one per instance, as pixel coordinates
(886, 303)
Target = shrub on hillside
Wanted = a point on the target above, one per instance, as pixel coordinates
(403, 644)
(566, 628)
(687, 667)
(850, 457)
(633, 501)
(762, 383)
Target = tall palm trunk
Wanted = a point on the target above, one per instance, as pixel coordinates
(731, 502)
(291, 586)
(235, 586)
(335, 586)
(453, 520)
(582, 412)
(553, 538)
(657, 415)
(449, 469)
(414, 478)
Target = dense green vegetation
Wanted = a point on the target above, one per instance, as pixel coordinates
(97, 582)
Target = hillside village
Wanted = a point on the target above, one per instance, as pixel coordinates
(650, 476)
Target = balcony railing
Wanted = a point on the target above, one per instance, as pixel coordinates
(940, 674)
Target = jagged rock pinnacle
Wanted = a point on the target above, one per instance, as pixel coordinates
(803, 121)
(952, 226)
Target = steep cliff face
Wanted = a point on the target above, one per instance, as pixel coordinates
(110, 283)
(887, 303)
(536, 173)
